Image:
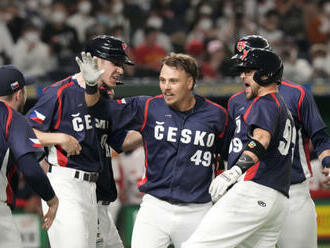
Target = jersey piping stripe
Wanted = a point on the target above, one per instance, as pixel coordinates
(277, 102)
(9, 190)
(251, 172)
(62, 160)
(301, 98)
(55, 84)
(224, 110)
(303, 156)
(143, 181)
(236, 94)
(9, 118)
(146, 111)
(249, 109)
(59, 92)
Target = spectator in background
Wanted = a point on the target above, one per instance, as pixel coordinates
(270, 28)
(296, 69)
(319, 53)
(156, 22)
(15, 21)
(6, 41)
(32, 56)
(82, 20)
(62, 39)
(149, 54)
(318, 28)
(212, 68)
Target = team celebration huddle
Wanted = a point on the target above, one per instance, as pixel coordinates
(233, 176)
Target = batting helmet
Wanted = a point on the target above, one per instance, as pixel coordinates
(268, 65)
(250, 41)
(109, 48)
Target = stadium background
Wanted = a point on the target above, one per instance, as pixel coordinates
(42, 38)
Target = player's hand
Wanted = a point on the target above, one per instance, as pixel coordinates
(89, 69)
(326, 180)
(51, 214)
(220, 184)
(70, 144)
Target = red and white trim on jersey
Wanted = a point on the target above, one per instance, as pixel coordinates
(224, 110)
(303, 145)
(56, 156)
(301, 98)
(145, 178)
(59, 99)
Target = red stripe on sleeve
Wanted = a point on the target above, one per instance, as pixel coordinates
(236, 94)
(146, 108)
(301, 98)
(277, 102)
(9, 118)
(59, 92)
(249, 109)
(226, 113)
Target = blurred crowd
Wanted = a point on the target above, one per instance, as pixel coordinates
(42, 37)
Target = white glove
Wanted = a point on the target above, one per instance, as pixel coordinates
(89, 69)
(220, 184)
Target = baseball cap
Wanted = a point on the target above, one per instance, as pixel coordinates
(11, 80)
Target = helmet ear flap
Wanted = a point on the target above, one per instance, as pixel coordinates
(264, 78)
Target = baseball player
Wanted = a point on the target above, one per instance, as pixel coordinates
(181, 133)
(309, 126)
(81, 161)
(18, 140)
(251, 213)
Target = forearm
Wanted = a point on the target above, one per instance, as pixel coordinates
(35, 176)
(132, 141)
(47, 139)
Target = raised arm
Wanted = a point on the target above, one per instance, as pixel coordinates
(89, 69)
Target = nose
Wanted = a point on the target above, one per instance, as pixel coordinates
(242, 75)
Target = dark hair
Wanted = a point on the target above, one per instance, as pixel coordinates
(184, 61)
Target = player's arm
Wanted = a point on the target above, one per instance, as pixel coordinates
(69, 144)
(38, 181)
(252, 153)
(132, 141)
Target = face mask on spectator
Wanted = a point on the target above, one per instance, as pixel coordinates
(318, 63)
(205, 24)
(117, 8)
(32, 36)
(58, 17)
(32, 5)
(84, 7)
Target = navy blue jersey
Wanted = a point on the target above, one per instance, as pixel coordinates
(62, 108)
(17, 139)
(270, 113)
(308, 122)
(180, 147)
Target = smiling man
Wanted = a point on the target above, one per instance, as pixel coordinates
(182, 133)
(79, 147)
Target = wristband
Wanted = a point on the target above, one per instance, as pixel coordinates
(326, 162)
(91, 90)
(256, 148)
(245, 162)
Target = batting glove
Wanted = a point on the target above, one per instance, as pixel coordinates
(220, 184)
(90, 71)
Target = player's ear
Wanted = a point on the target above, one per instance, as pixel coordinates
(191, 83)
